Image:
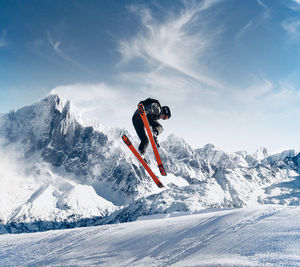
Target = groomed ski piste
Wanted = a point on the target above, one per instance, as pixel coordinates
(266, 235)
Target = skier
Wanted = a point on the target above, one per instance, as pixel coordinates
(154, 112)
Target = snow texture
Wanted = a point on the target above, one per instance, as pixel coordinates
(267, 235)
(58, 171)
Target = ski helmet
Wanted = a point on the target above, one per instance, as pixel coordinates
(165, 110)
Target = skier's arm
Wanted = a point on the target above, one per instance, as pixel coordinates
(152, 107)
(155, 109)
(156, 127)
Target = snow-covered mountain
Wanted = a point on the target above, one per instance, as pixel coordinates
(59, 172)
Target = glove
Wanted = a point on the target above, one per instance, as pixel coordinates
(155, 132)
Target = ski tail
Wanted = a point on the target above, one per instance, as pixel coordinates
(145, 165)
(155, 150)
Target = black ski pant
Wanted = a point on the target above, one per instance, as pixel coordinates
(141, 132)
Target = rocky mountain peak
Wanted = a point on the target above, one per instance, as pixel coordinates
(67, 159)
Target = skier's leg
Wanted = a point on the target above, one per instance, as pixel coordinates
(140, 130)
(156, 130)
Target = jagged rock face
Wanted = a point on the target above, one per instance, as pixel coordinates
(65, 161)
(49, 129)
(181, 160)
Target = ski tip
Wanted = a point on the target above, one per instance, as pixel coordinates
(126, 140)
(141, 109)
(162, 170)
(160, 185)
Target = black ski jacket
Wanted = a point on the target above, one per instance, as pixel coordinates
(153, 111)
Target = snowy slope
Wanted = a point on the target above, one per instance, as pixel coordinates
(59, 171)
(262, 236)
(31, 193)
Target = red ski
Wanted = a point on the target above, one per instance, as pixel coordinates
(147, 126)
(134, 151)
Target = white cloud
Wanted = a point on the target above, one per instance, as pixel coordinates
(286, 99)
(265, 101)
(266, 13)
(292, 26)
(244, 30)
(15, 186)
(255, 92)
(173, 43)
(255, 22)
(56, 45)
(162, 84)
(297, 2)
(108, 105)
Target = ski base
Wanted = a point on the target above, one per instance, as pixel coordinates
(152, 141)
(145, 165)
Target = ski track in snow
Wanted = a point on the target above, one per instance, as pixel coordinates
(268, 235)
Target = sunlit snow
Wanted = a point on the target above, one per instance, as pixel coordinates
(262, 236)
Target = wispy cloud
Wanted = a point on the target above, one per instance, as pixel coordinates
(288, 94)
(109, 105)
(255, 93)
(173, 43)
(56, 45)
(3, 41)
(266, 14)
(255, 22)
(292, 26)
(265, 100)
(163, 84)
(293, 5)
(297, 1)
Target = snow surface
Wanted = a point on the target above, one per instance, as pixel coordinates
(57, 171)
(268, 235)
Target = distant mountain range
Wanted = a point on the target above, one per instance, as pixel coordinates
(57, 172)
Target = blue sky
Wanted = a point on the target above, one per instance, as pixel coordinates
(228, 69)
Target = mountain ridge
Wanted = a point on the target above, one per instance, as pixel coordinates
(66, 161)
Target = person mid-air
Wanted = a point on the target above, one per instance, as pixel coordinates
(154, 112)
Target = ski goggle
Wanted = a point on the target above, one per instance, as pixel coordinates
(165, 116)
(166, 111)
